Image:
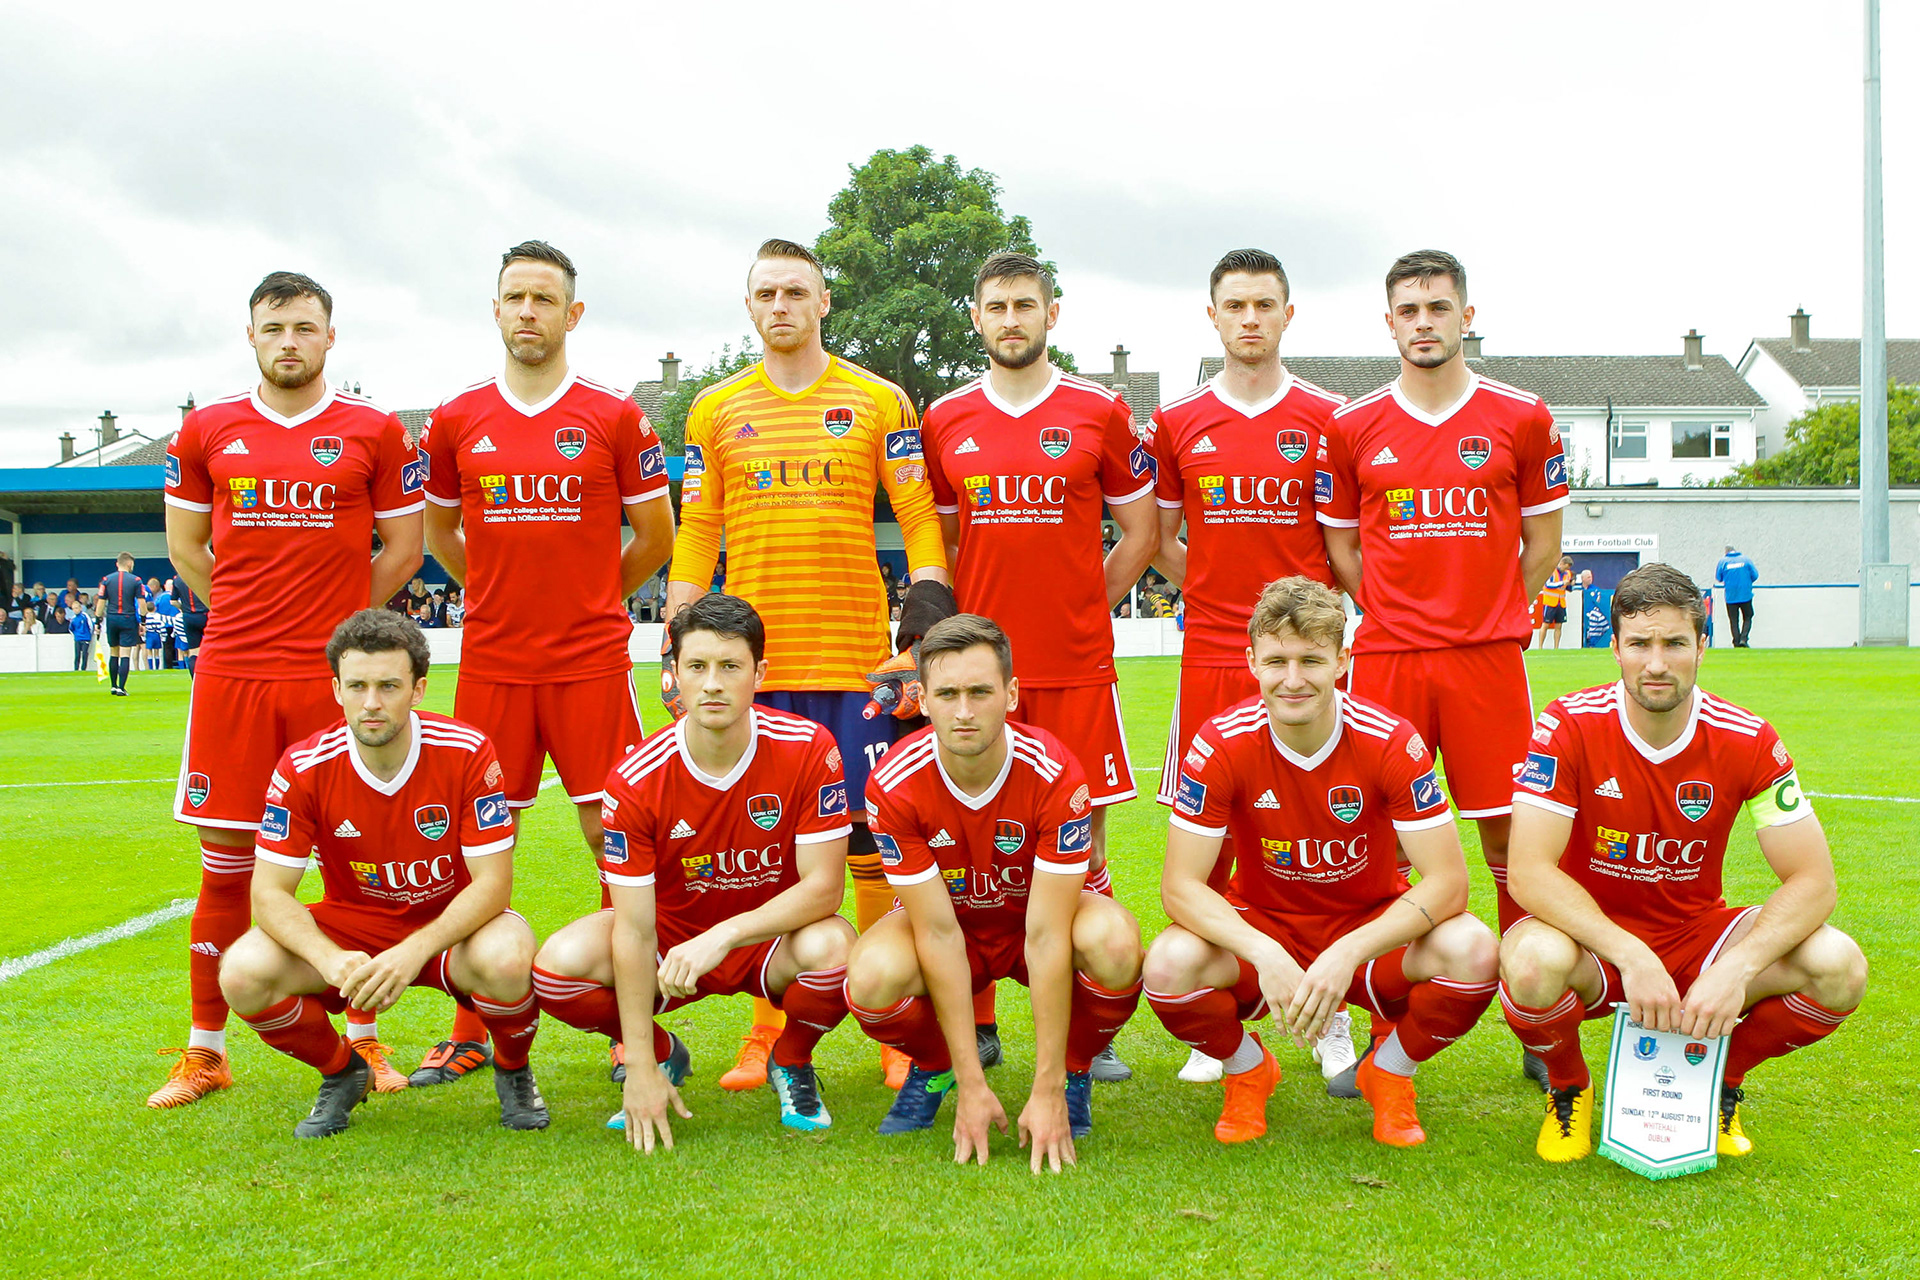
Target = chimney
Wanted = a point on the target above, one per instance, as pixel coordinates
(669, 373)
(1800, 325)
(108, 431)
(1470, 345)
(66, 446)
(1119, 367)
(1691, 350)
(186, 408)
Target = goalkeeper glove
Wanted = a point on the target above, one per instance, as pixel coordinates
(669, 683)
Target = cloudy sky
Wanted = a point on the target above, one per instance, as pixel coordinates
(1612, 176)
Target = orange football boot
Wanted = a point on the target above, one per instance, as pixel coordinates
(1391, 1097)
(385, 1078)
(750, 1068)
(896, 1064)
(1243, 1113)
(198, 1073)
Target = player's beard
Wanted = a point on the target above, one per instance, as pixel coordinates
(1682, 690)
(798, 338)
(1449, 348)
(291, 379)
(366, 739)
(533, 355)
(1021, 358)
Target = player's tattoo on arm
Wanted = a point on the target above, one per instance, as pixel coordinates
(1408, 899)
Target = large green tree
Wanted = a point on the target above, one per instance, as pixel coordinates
(672, 424)
(904, 239)
(1823, 447)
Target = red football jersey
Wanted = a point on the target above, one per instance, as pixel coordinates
(1313, 838)
(1650, 826)
(1244, 474)
(1035, 817)
(293, 503)
(1438, 501)
(1028, 484)
(392, 854)
(714, 847)
(540, 490)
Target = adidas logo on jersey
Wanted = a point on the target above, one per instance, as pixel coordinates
(967, 446)
(346, 828)
(1383, 457)
(1204, 445)
(238, 446)
(484, 445)
(941, 840)
(1266, 800)
(680, 830)
(1610, 789)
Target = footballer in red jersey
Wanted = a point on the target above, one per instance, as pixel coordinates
(531, 473)
(725, 855)
(1622, 813)
(1315, 787)
(273, 500)
(403, 810)
(1426, 489)
(985, 828)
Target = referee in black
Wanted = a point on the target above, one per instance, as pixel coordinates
(193, 617)
(123, 592)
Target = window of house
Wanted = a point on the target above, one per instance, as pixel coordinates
(1702, 439)
(1629, 439)
(1723, 439)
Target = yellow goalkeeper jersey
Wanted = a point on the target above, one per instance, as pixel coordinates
(789, 481)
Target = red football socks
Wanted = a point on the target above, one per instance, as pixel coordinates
(1095, 1018)
(588, 1006)
(912, 1027)
(1551, 1035)
(1207, 1019)
(1775, 1026)
(300, 1028)
(468, 1025)
(1440, 1011)
(220, 915)
(512, 1026)
(815, 1003)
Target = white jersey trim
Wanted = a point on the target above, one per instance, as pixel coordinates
(919, 877)
(627, 882)
(821, 837)
(184, 505)
(1063, 868)
(534, 410)
(1176, 820)
(1434, 419)
(1335, 521)
(1541, 802)
(439, 501)
(483, 850)
(280, 859)
(1054, 378)
(299, 419)
(1424, 824)
(629, 499)
(400, 511)
(1545, 507)
(1121, 500)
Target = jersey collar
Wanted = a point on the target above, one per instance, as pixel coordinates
(734, 774)
(1318, 758)
(260, 407)
(1436, 419)
(1244, 409)
(986, 797)
(533, 410)
(371, 778)
(1663, 754)
(993, 397)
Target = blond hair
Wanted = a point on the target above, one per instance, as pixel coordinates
(1301, 605)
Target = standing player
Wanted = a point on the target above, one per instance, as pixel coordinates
(1319, 785)
(531, 473)
(162, 613)
(193, 620)
(1235, 465)
(985, 827)
(726, 855)
(784, 460)
(289, 483)
(1425, 489)
(402, 809)
(1623, 809)
(121, 593)
(1023, 458)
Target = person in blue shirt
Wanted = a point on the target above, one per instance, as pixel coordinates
(122, 591)
(1735, 576)
(154, 625)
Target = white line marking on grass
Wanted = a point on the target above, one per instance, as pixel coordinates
(92, 782)
(1841, 795)
(13, 968)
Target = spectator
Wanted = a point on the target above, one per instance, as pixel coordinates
(1735, 576)
(417, 596)
(57, 624)
(456, 606)
(30, 624)
(1553, 603)
(80, 623)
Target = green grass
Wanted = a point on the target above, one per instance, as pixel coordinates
(427, 1184)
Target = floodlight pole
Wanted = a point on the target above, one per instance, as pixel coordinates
(1875, 545)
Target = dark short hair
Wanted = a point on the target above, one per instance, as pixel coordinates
(1423, 265)
(1253, 262)
(1653, 586)
(380, 631)
(538, 251)
(778, 248)
(125, 557)
(728, 617)
(962, 632)
(282, 287)
(1009, 265)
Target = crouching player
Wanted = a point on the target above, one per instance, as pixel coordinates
(1620, 824)
(726, 856)
(985, 829)
(404, 810)
(1314, 786)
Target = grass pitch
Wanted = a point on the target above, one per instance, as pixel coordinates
(427, 1184)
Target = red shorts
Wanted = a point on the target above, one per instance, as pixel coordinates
(1471, 705)
(1685, 952)
(1202, 693)
(743, 971)
(356, 932)
(236, 730)
(1086, 719)
(587, 726)
(1305, 951)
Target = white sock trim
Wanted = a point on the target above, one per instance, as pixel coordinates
(214, 1040)
(1389, 1056)
(1245, 1058)
(369, 1030)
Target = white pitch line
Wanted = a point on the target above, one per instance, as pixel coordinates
(94, 782)
(1839, 795)
(13, 968)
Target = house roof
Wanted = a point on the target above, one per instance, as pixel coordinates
(1641, 382)
(1835, 362)
(1142, 391)
(415, 421)
(132, 449)
(649, 396)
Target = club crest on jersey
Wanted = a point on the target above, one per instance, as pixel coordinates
(1213, 491)
(173, 472)
(326, 450)
(1400, 504)
(698, 867)
(570, 441)
(1291, 444)
(1475, 450)
(1696, 1053)
(760, 474)
(276, 823)
(1276, 853)
(613, 847)
(197, 788)
(432, 820)
(493, 490)
(1694, 799)
(1610, 844)
(1008, 836)
(1344, 803)
(904, 443)
(243, 492)
(764, 809)
(980, 489)
(837, 421)
(1055, 441)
